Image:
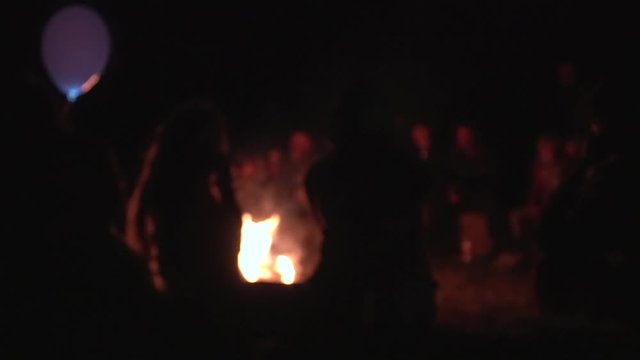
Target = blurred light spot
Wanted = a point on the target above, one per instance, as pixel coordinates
(73, 93)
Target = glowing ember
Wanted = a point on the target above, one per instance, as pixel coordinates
(255, 260)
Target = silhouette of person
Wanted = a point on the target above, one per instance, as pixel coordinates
(587, 239)
(547, 173)
(471, 192)
(373, 262)
(434, 209)
(197, 225)
(546, 177)
(82, 288)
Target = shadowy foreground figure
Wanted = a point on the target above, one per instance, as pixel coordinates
(80, 293)
(373, 289)
(589, 239)
(198, 231)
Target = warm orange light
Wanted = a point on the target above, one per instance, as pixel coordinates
(284, 267)
(255, 261)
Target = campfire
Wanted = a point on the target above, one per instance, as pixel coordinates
(256, 259)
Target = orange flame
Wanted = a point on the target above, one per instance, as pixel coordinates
(284, 267)
(255, 260)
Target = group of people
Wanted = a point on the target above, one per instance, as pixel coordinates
(373, 201)
(354, 209)
(463, 212)
(357, 205)
(569, 228)
(149, 268)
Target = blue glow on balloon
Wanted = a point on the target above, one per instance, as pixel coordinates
(73, 94)
(75, 49)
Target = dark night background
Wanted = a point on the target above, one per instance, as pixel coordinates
(274, 68)
(281, 67)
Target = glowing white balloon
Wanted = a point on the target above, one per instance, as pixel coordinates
(75, 49)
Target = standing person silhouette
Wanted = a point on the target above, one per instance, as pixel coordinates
(589, 253)
(79, 286)
(373, 261)
(198, 226)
